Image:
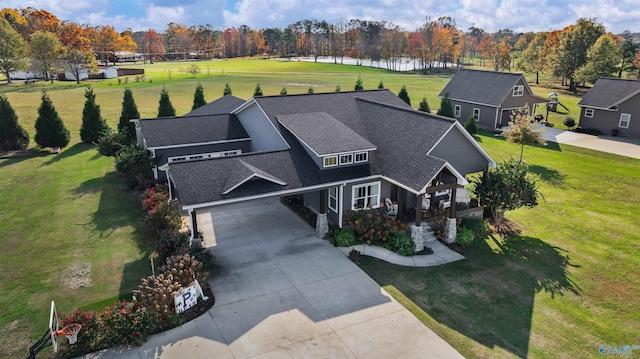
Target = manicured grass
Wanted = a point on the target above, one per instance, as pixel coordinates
(59, 211)
(567, 285)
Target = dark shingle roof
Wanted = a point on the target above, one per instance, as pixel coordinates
(223, 105)
(482, 87)
(171, 131)
(242, 172)
(609, 92)
(404, 139)
(323, 134)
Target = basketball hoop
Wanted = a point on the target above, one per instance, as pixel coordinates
(71, 332)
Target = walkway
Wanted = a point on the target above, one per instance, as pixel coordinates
(283, 293)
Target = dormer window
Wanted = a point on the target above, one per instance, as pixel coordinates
(330, 161)
(362, 157)
(518, 90)
(346, 159)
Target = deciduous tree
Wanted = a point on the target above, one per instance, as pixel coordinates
(12, 135)
(78, 62)
(12, 50)
(506, 188)
(521, 131)
(602, 60)
(50, 130)
(45, 49)
(93, 125)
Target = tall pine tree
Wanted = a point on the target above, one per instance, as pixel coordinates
(446, 109)
(424, 105)
(165, 108)
(404, 95)
(12, 135)
(257, 91)
(129, 112)
(93, 125)
(227, 90)
(198, 97)
(50, 130)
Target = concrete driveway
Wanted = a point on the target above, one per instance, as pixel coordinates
(618, 145)
(283, 293)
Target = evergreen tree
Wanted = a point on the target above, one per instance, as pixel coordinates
(257, 91)
(12, 135)
(93, 125)
(424, 106)
(338, 88)
(380, 85)
(359, 86)
(404, 95)
(50, 130)
(446, 109)
(165, 107)
(198, 97)
(227, 90)
(471, 126)
(129, 112)
(283, 92)
(310, 90)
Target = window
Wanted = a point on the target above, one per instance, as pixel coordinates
(518, 90)
(346, 159)
(458, 110)
(588, 112)
(625, 118)
(331, 161)
(362, 157)
(333, 199)
(476, 114)
(366, 196)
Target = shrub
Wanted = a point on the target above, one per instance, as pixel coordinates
(172, 242)
(373, 226)
(346, 238)
(401, 244)
(465, 236)
(89, 336)
(128, 323)
(161, 215)
(184, 269)
(478, 226)
(471, 126)
(111, 142)
(134, 161)
(569, 122)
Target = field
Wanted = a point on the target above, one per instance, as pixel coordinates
(568, 285)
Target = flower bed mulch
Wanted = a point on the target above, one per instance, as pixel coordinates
(200, 308)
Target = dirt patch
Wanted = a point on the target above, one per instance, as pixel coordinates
(13, 339)
(78, 275)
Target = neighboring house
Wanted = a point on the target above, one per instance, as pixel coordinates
(612, 106)
(109, 72)
(338, 151)
(490, 97)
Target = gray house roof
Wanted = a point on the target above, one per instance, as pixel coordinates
(223, 105)
(173, 131)
(482, 87)
(323, 134)
(609, 92)
(403, 138)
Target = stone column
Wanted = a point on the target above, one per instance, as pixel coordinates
(450, 230)
(322, 222)
(417, 236)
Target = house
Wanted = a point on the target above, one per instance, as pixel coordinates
(612, 106)
(490, 97)
(337, 151)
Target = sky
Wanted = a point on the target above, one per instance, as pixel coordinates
(489, 15)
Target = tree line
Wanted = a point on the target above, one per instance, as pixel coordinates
(579, 53)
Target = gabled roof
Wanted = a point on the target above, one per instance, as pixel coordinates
(242, 172)
(483, 87)
(223, 105)
(323, 134)
(609, 92)
(175, 131)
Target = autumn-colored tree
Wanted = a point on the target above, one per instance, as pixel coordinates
(105, 41)
(40, 20)
(12, 50)
(530, 61)
(153, 45)
(16, 20)
(72, 36)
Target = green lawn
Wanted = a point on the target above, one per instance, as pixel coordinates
(567, 285)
